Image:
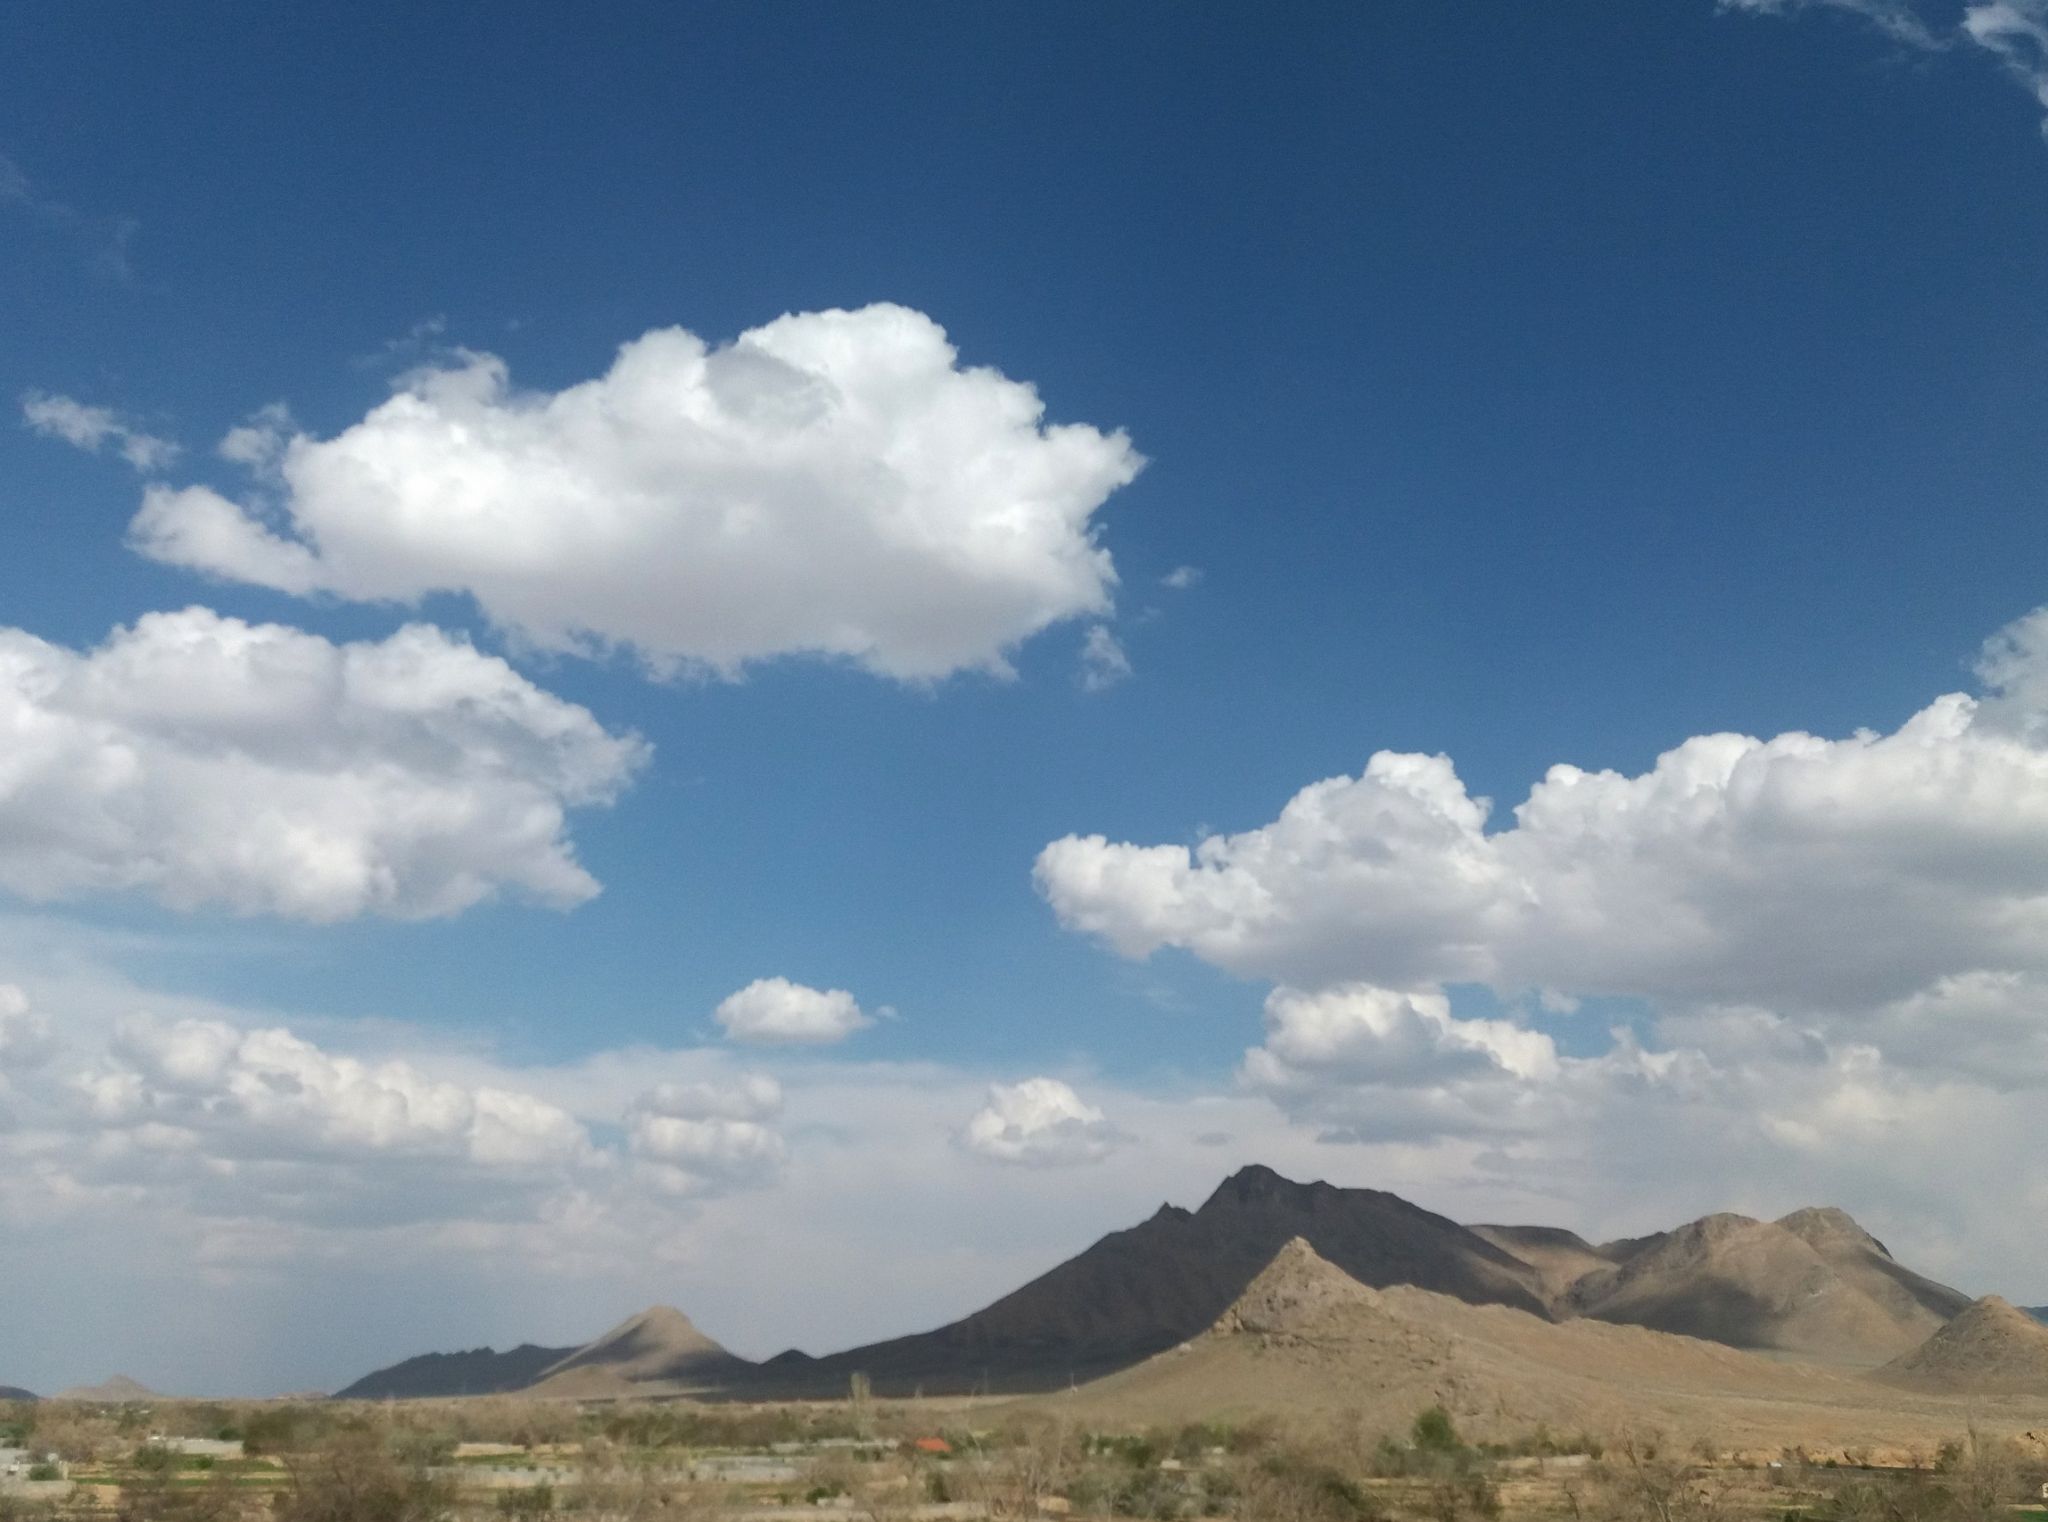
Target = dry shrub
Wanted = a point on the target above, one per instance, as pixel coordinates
(1639, 1480)
(354, 1475)
(76, 1433)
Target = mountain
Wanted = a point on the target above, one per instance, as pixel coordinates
(1138, 1291)
(117, 1391)
(658, 1346)
(1305, 1341)
(15, 1392)
(1990, 1348)
(1813, 1283)
(481, 1371)
(2038, 1312)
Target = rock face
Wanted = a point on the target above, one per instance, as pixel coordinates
(1299, 1295)
(1813, 1283)
(481, 1371)
(1990, 1348)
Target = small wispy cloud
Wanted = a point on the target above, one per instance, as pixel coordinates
(2017, 31)
(2014, 31)
(1103, 661)
(102, 240)
(1182, 578)
(95, 428)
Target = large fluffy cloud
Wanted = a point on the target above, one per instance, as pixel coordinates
(236, 1127)
(1797, 873)
(776, 1012)
(1039, 1123)
(832, 483)
(269, 1095)
(202, 760)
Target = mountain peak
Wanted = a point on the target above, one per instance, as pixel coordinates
(659, 1320)
(1256, 1184)
(659, 1343)
(1825, 1227)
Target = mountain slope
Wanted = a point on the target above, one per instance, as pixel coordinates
(1991, 1348)
(15, 1392)
(481, 1371)
(1560, 1258)
(1814, 1284)
(1159, 1283)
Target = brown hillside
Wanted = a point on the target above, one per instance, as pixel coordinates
(1912, 1299)
(1815, 1285)
(1304, 1345)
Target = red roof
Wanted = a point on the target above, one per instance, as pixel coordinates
(932, 1445)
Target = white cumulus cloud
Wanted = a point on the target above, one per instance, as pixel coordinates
(204, 761)
(832, 483)
(695, 1138)
(1039, 1123)
(775, 1011)
(270, 1095)
(1796, 873)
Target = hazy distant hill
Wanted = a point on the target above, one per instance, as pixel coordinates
(117, 1391)
(2038, 1312)
(1144, 1289)
(481, 1371)
(15, 1392)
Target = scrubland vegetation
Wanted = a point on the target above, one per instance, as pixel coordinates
(530, 1461)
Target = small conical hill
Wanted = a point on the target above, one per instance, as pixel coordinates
(1992, 1348)
(1299, 1294)
(658, 1345)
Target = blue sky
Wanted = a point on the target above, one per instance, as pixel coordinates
(1524, 385)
